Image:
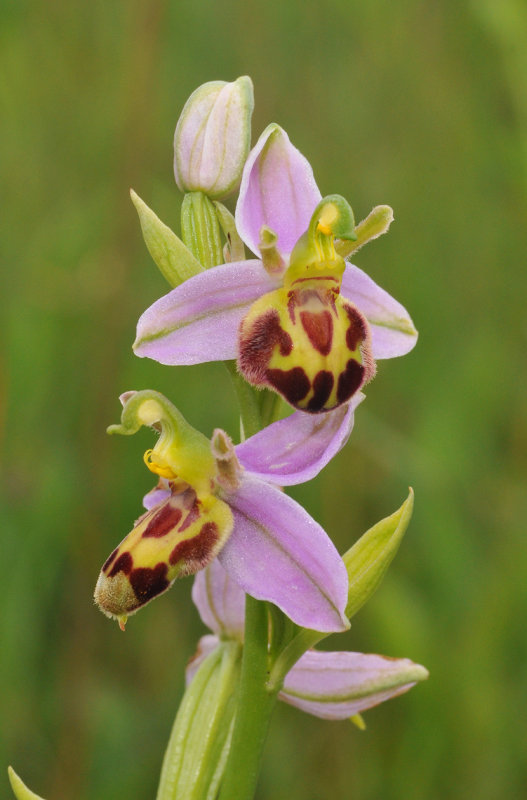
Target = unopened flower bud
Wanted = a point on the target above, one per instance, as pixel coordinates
(212, 137)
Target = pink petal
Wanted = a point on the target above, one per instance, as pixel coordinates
(277, 552)
(339, 685)
(199, 320)
(295, 449)
(219, 600)
(392, 330)
(277, 189)
(206, 645)
(157, 495)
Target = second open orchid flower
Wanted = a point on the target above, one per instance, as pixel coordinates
(331, 685)
(299, 320)
(214, 499)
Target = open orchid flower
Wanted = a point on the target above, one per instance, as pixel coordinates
(332, 685)
(299, 320)
(213, 499)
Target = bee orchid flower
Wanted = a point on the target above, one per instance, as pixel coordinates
(214, 499)
(298, 319)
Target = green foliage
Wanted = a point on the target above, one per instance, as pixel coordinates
(19, 788)
(369, 558)
(175, 261)
(419, 105)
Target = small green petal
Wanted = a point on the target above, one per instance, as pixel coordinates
(19, 788)
(358, 721)
(370, 557)
(376, 223)
(235, 248)
(272, 260)
(175, 261)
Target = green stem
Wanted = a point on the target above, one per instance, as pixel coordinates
(254, 702)
(254, 708)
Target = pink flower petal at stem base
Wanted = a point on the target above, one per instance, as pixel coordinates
(277, 552)
(330, 685)
(206, 646)
(335, 685)
(220, 601)
(339, 685)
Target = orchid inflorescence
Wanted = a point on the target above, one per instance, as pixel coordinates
(305, 328)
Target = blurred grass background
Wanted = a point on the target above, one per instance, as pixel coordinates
(422, 105)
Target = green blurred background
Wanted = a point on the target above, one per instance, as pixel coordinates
(421, 105)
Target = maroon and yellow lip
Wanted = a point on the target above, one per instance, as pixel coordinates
(308, 344)
(178, 537)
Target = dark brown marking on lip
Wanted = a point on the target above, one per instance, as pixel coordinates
(293, 384)
(148, 582)
(356, 332)
(291, 305)
(196, 551)
(257, 345)
(124, 564)
(166, 519)
(319, 329)
(350, 380)
(322, 386)
(110, 559)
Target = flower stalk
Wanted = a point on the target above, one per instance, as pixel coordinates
(254, 708)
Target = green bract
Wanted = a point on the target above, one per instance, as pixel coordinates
(199, 743)
(370, 557)
(19, 788)
(175, 261)
(374, 225)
